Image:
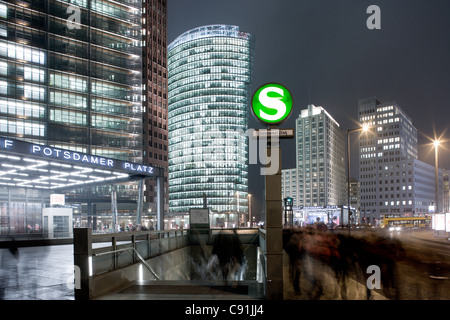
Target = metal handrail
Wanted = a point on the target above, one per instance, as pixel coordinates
(138, 255)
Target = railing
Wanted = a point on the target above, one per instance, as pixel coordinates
(103, 260)
(95, 255)
(146, 244)
(262, 239)
(136, 253)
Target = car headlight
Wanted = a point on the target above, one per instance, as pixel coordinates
(398, 228)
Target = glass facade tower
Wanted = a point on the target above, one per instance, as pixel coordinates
(209, 82)
(154, 126)
(71, 78)
(72, 84)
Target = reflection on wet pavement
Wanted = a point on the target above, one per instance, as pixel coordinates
(37, 273)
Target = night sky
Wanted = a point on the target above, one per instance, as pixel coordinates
(325, 54)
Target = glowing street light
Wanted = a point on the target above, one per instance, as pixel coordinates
(364, 128)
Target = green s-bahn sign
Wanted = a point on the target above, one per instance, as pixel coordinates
(272, 104)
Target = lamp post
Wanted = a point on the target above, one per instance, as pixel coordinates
(436, 182)
(364, 128)
(250, 209)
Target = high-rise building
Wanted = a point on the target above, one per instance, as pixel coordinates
(70, 78)
(386, 158)
(446, 191)
(155, 106)
(355, 198)
(209, 83)
(320, 155)
(392, 179)
(289, 185)
(424, 187)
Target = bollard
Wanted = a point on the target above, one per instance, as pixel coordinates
(82, 258)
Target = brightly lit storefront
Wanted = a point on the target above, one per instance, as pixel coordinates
(330, 215)
(46, 191)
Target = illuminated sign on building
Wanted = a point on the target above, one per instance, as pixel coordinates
(57, 199)
(447, 222)
(272, 103)
(32, 149)
(70, 155)
(6, 143)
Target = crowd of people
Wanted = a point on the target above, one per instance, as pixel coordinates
(311, 249)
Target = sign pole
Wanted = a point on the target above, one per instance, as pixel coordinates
(274, 227)
(272, 105)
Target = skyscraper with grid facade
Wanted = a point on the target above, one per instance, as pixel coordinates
(155, 106)
(392, 178)
(319, 176)
(209, 82)
(71, 78)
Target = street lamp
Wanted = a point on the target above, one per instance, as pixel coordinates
(250, 209)
(364, 128)
(237, 209)
(436, 183)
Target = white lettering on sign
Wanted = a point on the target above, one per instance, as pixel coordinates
(272, 103)
(69, 155)
(137, 167)
(274, 132)
(80, 157)
(6, 144)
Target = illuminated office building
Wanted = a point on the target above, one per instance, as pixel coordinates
(446, 191)
(209, 82)
(155, 121)
(392, 178)
(319, 176)
(71, 78)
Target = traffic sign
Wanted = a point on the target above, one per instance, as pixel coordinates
(272, 104)
(280, 133)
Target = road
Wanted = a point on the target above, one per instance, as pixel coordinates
(424, 274)
(412, 266)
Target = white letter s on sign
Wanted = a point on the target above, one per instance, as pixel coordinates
(272, 103)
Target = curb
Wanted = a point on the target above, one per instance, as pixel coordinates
(413, 234)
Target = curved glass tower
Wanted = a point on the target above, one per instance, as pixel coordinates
(209, 82)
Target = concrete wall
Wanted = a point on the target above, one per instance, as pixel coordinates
(181, 264)
(174, 265)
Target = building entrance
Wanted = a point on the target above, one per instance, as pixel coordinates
(98, 191)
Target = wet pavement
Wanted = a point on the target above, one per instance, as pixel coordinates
(37, 273)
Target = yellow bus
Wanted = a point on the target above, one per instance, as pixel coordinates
(405, 220)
